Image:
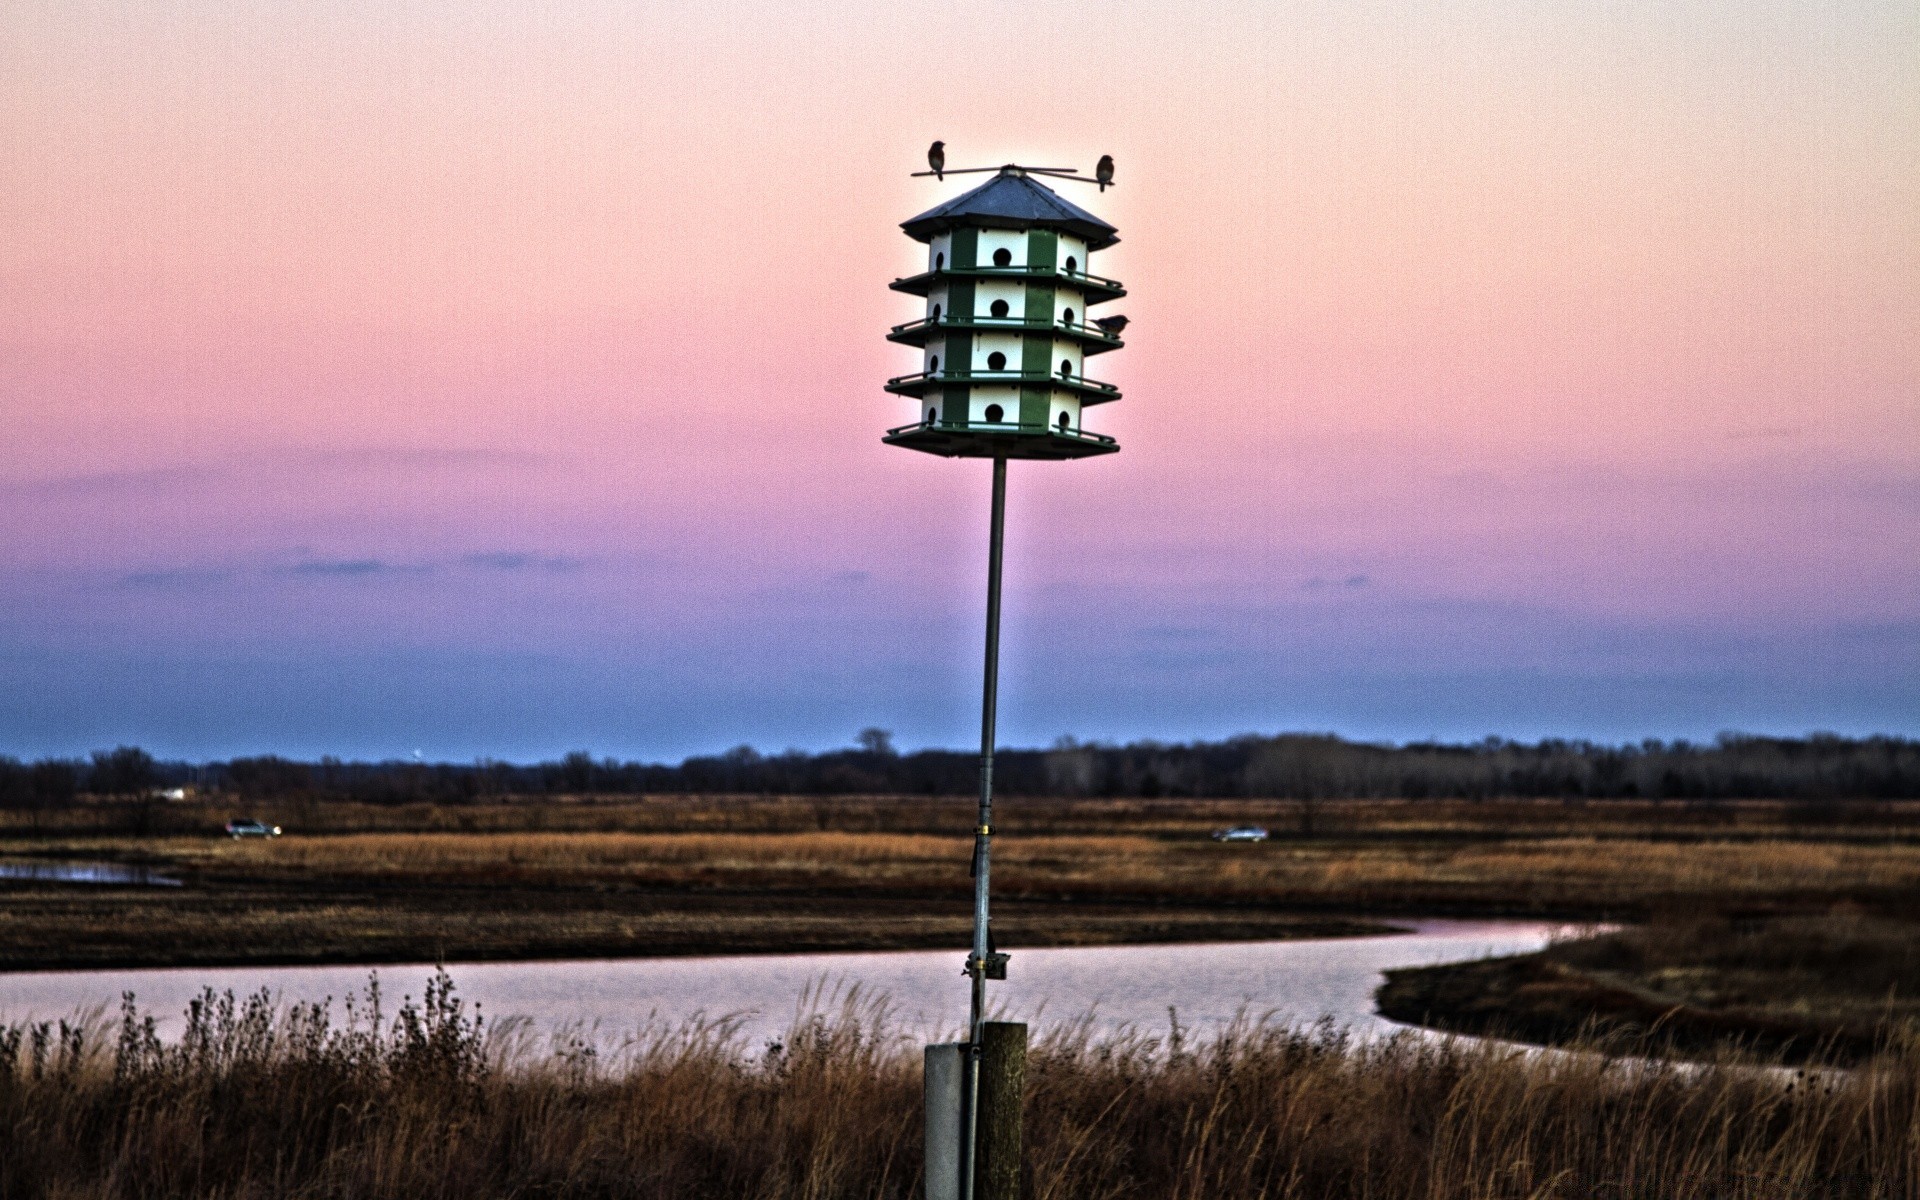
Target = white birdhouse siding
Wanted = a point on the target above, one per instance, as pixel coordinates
(940, 252)
(936, 303)
(1013, 295)
(992, 241)
(1075, 249)
(1005, 399)
(1064, 405)
(989, 344)
(1069, 307)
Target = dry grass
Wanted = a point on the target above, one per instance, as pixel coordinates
(254, 1103)
(1800, 986)
(1845, 971)
(1037, 815)
(1591, 875)
(752, 859)
(691, 875)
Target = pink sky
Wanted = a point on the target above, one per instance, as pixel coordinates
(1587, 338)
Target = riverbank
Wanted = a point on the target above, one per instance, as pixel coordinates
(1827, 987)
(82, 927)
(262, 1102)
(665, 876)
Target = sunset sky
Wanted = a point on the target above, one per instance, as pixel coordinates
(505, 378)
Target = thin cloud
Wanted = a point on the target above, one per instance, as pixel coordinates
(518, 560)
(113, 483)
(1176, 633)
(421, 456)
(366, 567)
(188, 475)
(344, 568)
(1348, 583)
(172, 577)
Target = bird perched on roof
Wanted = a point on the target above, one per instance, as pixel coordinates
(1114, 324)
(1103, 171)
(937, 159)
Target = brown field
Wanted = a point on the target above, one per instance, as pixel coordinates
(254, 1103)
(682, 875)
(921, 814)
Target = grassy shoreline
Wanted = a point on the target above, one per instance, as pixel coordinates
(426, 1103)
(1838, 987)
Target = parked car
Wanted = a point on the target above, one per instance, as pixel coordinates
(242, 827)
(1240, 833)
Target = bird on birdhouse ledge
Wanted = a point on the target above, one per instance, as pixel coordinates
(1102, 171)
(937, 159)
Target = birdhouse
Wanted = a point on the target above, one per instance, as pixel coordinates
(1006, 334)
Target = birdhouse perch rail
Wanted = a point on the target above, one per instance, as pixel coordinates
(991, 376)
(1086, 328)
(1078, 277)
(1015, 427)
(901, 383)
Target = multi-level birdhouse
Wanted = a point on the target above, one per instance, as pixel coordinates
(1006, 334)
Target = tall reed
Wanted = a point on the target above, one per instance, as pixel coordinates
(257, 1100)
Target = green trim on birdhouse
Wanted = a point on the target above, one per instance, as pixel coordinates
(1034, 403)
(953, 407)
(965, 249)
(1039, 303)
(1036, 355)
(960, 300)
(959, 356)
(1043, 248)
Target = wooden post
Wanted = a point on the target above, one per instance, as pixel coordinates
(1003, 1082)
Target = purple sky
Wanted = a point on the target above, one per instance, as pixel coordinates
(500, 381)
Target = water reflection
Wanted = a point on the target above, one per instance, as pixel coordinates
(85, 872)
(1295, 981)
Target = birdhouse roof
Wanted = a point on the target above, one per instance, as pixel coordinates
(1012, 200)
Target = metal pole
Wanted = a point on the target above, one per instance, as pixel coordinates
(983, 831)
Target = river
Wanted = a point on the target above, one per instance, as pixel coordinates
(1205, 984)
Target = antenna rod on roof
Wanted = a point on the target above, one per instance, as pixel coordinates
(1064, 172)
(1072, 174)
(1074, 177)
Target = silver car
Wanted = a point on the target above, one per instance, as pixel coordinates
(1240, 833)
(244, 827)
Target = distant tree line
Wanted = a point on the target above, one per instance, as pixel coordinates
(1286, 766)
